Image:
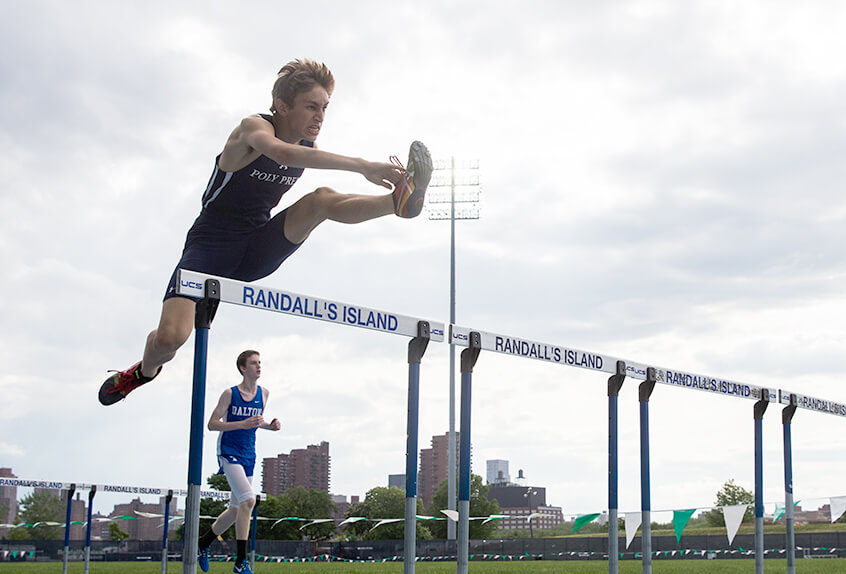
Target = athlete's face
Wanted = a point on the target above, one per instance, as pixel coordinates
(305, 117)
(252, 370)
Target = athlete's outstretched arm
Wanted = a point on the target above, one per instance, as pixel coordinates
(257, 134)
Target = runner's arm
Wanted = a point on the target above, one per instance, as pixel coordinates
(273, 425)
(257, 134)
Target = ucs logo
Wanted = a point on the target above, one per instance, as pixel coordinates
(191, 284)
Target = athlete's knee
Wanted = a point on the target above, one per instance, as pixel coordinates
(175, 325)
(322, 199)
(248, 503)
(171, 336)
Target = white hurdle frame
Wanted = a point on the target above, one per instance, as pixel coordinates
(212, 290)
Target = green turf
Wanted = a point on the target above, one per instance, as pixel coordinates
(803, 566)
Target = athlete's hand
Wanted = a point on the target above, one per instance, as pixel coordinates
(385, 174)
(253, 422)
(275, 425)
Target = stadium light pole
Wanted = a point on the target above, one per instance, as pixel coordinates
(467, 181)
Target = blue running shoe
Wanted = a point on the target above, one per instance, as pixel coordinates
(203, 559)
(242, 568)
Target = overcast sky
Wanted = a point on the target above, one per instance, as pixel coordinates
(662, 182)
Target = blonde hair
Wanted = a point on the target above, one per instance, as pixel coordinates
(299, 76)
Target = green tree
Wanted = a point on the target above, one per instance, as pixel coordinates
(383, 502)
(38, 508)
(115, 533)
(18, 533)
(218, 482)
(479, 506)
(297, 502)
(730, 494)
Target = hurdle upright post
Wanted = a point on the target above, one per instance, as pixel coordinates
(70, 491)
(167, 501)
(786, 419)
(759, 409)
(91, 494)
(468, 360)
(203, 317)
(416, 349)
(253, 533)
(615, 382)
(644, 392)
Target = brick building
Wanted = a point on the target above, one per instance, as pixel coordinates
(307, 467)
(8, 499)
(434, 466)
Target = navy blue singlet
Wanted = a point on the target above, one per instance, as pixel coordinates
(251, 192)
(234, 235)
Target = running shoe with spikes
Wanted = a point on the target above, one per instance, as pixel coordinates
(242, 567)
(203, 559)
(410, 192)
(117, 386)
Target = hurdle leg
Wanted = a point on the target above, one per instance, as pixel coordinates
(759, 409)
(786, 418)
(166, 513)
(88, 527)
(71, 490)
(253, 533)
(468, 360)
(206, 309)
(614, 384)
(645, 391)
(416, 348)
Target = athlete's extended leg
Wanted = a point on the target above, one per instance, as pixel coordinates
(221, 525)
(174, 328)
(324, 203)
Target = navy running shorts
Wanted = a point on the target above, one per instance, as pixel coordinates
(235, 249)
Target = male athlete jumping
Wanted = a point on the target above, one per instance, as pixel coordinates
(234, 235)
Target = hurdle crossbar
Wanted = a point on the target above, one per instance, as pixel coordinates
(192, 284)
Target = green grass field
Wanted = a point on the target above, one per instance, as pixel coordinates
(803, 566)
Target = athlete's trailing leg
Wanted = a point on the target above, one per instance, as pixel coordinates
(175, 325)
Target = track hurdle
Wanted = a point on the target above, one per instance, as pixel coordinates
(211, 291)
(478, 340)
(792, 402)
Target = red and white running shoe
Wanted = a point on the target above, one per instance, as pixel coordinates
(117, 386)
